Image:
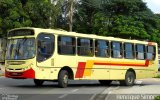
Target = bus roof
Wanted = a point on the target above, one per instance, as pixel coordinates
(64, 32)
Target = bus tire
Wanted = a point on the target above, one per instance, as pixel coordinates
(63, 79)
(105, 82)
(129, 79)
(38, 82)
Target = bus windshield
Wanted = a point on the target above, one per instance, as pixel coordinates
(20, 49)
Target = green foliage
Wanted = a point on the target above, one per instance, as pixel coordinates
(12, 16)
(128, 27)
(127, 19)
(123, 7)
(158, 76)
(101, 24)
(86, 10)
(27, 13)
(42, 13)
(119, 18)
(157, 98)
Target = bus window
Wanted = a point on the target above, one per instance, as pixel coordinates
(101, 48)
(85, 47)
(128, 51)
(45, 46)
(116, 50)
(20, 49)
(66, 45)
(140, 51)
(150, 52)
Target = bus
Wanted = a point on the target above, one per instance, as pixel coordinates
(58, 55)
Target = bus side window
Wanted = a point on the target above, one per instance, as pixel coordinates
(140, 51)
(85, 47)
(45, 46)
(151, 52)
(101, 48)
(116, 50)
(66, 45)
(128, 50)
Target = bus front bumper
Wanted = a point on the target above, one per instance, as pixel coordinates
(30, 73)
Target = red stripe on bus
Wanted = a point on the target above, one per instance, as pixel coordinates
(147, 62)
(118, 64)
(80, 69)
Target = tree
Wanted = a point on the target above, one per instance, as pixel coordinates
(28, 13)
(65, 20)
(83, 21)
(11, 16)
(43, 13)
(127, 19)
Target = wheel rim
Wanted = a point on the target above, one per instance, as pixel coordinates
(65, 79)
(130, 79)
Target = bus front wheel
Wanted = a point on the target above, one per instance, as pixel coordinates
(129, 79)
(63, 79)
(38, 82)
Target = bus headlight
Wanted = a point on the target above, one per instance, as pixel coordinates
(28, 67)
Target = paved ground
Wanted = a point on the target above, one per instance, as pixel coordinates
(144, 89)
(13, 89)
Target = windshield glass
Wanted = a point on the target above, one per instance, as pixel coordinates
(19, 49)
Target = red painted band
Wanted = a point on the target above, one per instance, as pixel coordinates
(26, 74)
(118, 64)
(80, 69)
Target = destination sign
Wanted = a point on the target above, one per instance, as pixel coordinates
(21, 32)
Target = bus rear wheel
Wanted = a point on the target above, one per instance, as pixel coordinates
(105, 82)
(38, 82)
(63, 79)
(129, 79)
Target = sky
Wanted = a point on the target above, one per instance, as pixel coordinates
(154, 5)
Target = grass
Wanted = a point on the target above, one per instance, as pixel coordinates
(158, 76)
(157, 98)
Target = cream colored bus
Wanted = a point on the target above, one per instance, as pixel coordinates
(56, 55)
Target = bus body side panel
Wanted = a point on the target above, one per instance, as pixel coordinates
(51, 68)
(100, 72)
(117, 74)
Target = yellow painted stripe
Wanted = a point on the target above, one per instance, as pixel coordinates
(88, 68)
